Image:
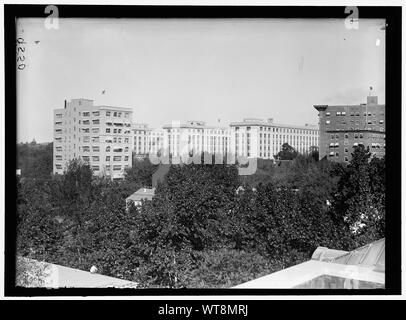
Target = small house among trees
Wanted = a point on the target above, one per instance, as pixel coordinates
(137, 197)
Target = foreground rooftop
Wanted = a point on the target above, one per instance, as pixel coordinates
(49, 275)
(363, 268)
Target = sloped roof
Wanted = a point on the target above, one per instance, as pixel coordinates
(143, 193)
(51, 275)
(361, 268)
(370, 255)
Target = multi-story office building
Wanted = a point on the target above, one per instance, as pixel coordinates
(195, 137)
(147, 140)
(344, 126)
(156, 141)
(141, 139)
(99, 135)
(257, 138)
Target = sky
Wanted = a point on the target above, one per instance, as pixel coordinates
(197, 69)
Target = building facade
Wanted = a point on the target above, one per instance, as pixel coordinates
(342, 127)
(258, 138)
(147, 140)
(98, 135)
(195, 137)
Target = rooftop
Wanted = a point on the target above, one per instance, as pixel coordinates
(193, 124)
(43, 274)
(362, 268)
(143, 193)
(269, 123)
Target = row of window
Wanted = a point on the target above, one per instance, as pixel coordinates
(357, 122)
(108, 168)
(283, 130)
(355, 113)
(346, 136)
(108, 114)
(108, 149)
(108, 158)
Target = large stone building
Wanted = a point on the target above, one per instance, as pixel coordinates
(147, 140)
(257, 138)
(195, 137)
(99, 135)
(344, 126)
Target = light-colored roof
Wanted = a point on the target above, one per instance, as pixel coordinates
(143, 193)
(104, 107)
(57, 276)
(370, 255)
(328, 268)
(265, 123)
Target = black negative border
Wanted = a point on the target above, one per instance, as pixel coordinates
(393, 118)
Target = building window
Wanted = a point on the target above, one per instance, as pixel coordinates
(96, 158)
(107, 158)
(86, 114)
(107, 130)
(96, 113)
(95, 168)
(346, 159)
(108, 113)
(85, 158)
(381, 121)
(116, 168)
(96, 121)
(346, 135)
(96, 148)
(327, 121)
(327, 114)
(117, 158)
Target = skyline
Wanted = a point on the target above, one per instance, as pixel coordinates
(194, 69)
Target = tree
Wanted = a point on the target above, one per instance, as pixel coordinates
(314, 153)
(360, 197)
(141, 172)
(287, 152)
(35, 160)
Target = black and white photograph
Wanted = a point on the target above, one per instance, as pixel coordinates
(160, 149)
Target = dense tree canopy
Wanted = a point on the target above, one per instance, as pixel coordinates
(206, 226)
(287, 152)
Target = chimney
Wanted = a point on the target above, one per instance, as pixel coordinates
(270, 120)
(372, 100)
(65, 104)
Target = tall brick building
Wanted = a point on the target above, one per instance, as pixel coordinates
(344, 126)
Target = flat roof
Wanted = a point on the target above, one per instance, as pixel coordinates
(104, 107)
(192, 126)
(272, 124)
